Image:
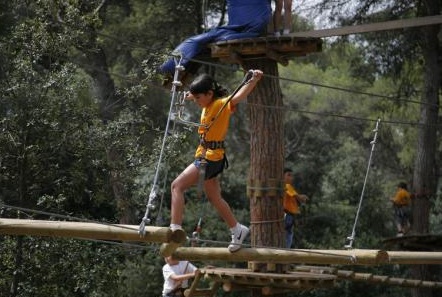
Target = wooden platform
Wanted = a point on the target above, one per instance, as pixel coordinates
(280, 49)
(369, 277)
(236, 279)
(301, 278)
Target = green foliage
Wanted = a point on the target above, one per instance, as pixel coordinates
(56, 152)
(66, 272)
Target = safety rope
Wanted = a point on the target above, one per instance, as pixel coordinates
(154, 190)
(351, 238)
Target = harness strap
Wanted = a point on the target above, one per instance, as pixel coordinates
(213, 145)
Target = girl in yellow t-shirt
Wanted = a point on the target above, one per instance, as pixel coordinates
(216, 111)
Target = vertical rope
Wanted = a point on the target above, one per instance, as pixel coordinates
(351, 238)
(154, 190)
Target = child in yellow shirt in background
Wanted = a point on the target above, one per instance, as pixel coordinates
(402, 209)
(292, 210)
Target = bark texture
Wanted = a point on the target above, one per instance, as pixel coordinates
(265, 185)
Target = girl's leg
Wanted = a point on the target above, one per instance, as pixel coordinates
(239, 232)
(277, 16)
(287, 16)
(213, 192)
(186, 179)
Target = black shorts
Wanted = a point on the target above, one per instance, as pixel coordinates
(213, 168)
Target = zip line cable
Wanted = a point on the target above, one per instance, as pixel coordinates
(61, 216)
(285, 107)
(388, 97)
(351, 238)
(348, 117)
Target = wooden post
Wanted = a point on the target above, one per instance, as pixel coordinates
(266, 160)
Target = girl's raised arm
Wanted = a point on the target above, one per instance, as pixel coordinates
(248, 88)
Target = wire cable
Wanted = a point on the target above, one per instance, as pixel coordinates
(351, 238)
(287, 108)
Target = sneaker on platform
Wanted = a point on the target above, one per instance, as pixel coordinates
(237, 238)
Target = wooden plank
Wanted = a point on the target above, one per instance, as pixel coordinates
(373, 27)
(237, 279)
(293, 276)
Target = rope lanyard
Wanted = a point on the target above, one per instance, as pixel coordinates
(351, 238)
(154, 190)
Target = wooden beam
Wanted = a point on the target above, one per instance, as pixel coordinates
(373, 27)
(343, 257)
(272, 255)
(89, 231)
(193, 291)
(405, 257)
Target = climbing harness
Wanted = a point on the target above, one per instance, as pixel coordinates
(155, 189)
(351, 238)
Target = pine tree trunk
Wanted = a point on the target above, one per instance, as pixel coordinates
(425, 170)
(110, 106)
(266, 161)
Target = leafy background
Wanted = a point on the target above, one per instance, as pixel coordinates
(83, 114)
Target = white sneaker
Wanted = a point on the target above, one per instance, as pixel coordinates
(237, 239)
(174, 227)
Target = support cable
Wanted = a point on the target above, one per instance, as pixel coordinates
(351, 238)
(154, 190)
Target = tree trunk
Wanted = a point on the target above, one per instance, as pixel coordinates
(425, 170)
(265, 186)
(110, 106)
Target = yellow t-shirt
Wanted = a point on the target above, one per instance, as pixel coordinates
(290, 202)
(218, 129)
(402, 197)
